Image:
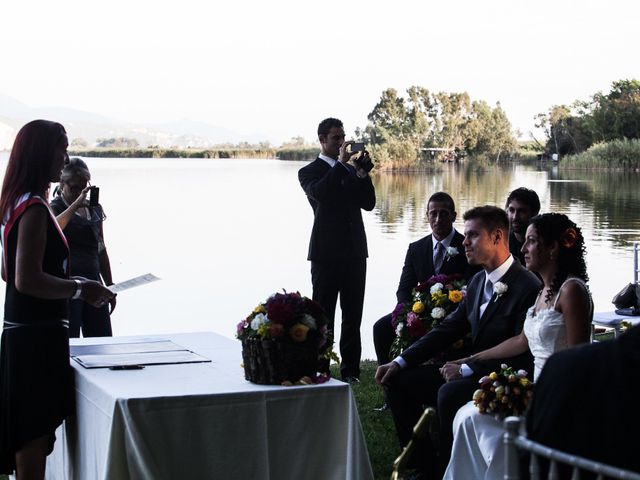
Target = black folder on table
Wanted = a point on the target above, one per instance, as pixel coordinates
(154, 352)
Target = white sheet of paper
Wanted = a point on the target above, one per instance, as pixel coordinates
(133, 282)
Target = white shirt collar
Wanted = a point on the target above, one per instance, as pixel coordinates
(499, 272)
(329, 160)
(446, 241)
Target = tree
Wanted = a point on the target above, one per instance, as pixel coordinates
(117, 142)
(602, 118)
(295, 142)
(79, 143)
(400, 127)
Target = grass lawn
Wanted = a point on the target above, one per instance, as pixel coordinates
(379, 432)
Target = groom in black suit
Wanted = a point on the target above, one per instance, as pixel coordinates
(338, 186)
(439, 252)
(493, 310)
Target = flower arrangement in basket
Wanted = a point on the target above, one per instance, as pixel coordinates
(283, 339)
(433, 300)
(503, 394)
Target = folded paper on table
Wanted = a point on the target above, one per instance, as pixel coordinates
(128, 347)
(133, 282)
(160, 352)
(146, 358)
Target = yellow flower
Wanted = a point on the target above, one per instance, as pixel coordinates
(493, 375)
(299, 332)
(418, 307)
(438, 298)
(455, 296)
(260, 309)
(524, 382)
(263, 330)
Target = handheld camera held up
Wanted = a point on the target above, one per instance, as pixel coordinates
(94, 196)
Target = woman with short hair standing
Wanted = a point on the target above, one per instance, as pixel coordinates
(36, 382)
(82, 225)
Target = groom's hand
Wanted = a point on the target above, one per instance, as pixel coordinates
(450, 371)
(385, 372)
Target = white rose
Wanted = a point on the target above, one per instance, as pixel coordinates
(399, 328)
(452, 251)
(500, 288)
(438, 313)
(309, 321)
(258, 320)
(436, 288)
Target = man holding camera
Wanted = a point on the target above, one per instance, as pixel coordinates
(338, 186)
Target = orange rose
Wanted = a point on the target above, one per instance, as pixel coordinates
(455, 296)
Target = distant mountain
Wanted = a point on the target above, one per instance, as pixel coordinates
(91, 126)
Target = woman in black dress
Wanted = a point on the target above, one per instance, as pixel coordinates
(82, 225)
(36, 382)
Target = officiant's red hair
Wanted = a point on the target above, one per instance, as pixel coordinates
(30, 162)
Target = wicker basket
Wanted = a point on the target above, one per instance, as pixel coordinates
(270, 363)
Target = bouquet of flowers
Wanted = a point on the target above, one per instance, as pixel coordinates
(433, 300)
(504, 394)
(283, 338)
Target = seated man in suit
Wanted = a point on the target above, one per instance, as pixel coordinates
(586, 402)
(439, 252)
(491, 315)
(522, 204)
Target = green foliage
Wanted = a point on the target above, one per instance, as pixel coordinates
(400, 128)
(297, 153)
(622, 154)
(573, 129)
(174, 153)
(79, 143)
(117, 142)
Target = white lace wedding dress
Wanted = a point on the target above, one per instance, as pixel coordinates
(478, 451)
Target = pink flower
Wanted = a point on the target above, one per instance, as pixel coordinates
(241, 326)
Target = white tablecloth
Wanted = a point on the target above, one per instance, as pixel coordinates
(205, 421)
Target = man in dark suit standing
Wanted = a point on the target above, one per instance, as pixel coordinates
(439, 252)
(522, 204)
(338, 186)
(493, 310)
(586, 402)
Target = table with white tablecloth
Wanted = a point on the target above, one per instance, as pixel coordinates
(205, 421)
(613, 320)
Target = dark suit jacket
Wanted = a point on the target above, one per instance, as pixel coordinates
(515, 247)
(336, 196)
(418, 265)
(586, 402)
(502, 319)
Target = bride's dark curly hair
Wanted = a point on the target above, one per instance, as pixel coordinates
(571, 255)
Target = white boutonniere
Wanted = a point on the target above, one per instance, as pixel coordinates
(500, 289)
(452, 252)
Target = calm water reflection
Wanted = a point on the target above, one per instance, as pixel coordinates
(224, 234)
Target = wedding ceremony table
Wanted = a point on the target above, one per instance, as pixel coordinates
(205, 421)
(613, 320)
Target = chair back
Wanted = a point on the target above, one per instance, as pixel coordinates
(514, 442)
(636, 267)
(420, 431)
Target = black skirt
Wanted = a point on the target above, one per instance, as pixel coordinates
(36, 387)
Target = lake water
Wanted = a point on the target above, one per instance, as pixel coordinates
(225, 234)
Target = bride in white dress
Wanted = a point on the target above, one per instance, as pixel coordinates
(560, 318)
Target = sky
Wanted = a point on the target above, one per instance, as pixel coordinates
(279, 67)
